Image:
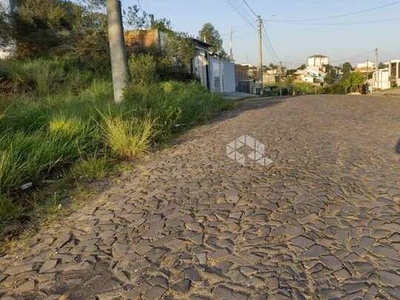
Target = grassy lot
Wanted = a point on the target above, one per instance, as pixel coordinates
(62, 122)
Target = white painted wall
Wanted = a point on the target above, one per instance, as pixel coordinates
(381, 79)
(200, 68)
(229, 77)
(216, 72)
(365, 65)
(396, 64)
(318, 61)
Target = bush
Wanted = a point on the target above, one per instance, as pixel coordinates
(172, 105)
(41, 137)
(91, 168)
(142, 69)
(48, 76)
(128, 139)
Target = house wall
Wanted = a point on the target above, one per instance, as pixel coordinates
(318, 61)
(142, 38)
(269, 78)
(308, 79)
(381, 79)
(216, 73)
(200, 67)
(394, 71)
(241, 73)
(229, 77)
(221, 75)
(366, 65)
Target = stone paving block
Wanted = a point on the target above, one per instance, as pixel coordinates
(189, 223)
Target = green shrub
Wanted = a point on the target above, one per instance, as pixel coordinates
(172, 105)
(8, 210)
(48, 76)
(91, 168)
(128, 139)
(142, 69)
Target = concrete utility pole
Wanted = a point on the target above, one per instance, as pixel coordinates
(260, 53)
(231, 44)
(280, 78)
(376, 69)
(367, 71)
(119, 63)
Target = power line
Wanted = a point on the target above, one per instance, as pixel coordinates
(244, 11)
(247, 4)
(240, 14)
(270, 43)
(244, 34)
(340, 15)
(236, 30)
(346, 23)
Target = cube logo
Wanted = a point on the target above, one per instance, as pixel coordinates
(256, 154)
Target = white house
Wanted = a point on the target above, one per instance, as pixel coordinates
(394, 72)
(381, 79)
(222, 75)
(388, 77)
(318, 61)
(311, 74)
(366, 65)
(215, 74)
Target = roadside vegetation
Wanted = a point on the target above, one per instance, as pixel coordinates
(58, 120)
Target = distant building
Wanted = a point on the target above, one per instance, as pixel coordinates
(270, 77)
(215, 74)
(311, 74)
(381, 79)
(318, 61)
(389, 77)
(366, 65)
(394, 72)
(244, 83)
(365, 68)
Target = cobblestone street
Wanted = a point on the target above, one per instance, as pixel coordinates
(321, 222)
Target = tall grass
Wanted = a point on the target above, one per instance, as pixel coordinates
(45, 133)
(128, 139)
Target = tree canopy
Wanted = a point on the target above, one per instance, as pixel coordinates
(47, 27)
(347, 67)
(353, 81)
(210, 35)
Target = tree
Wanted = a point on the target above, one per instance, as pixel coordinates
(353, 81)
(117, 48)
(211, 36)
(41, 28)
(303, 67)
(331, 75)
(347, 68)
(136, 17)
(303, 88)
(382, 65)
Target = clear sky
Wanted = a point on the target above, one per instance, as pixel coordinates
(353, 37)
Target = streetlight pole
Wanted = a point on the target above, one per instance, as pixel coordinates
(260, 53)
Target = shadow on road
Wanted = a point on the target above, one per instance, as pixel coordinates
(398, 147)
(249, 104)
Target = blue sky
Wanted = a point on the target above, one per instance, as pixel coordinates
(351, 38)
